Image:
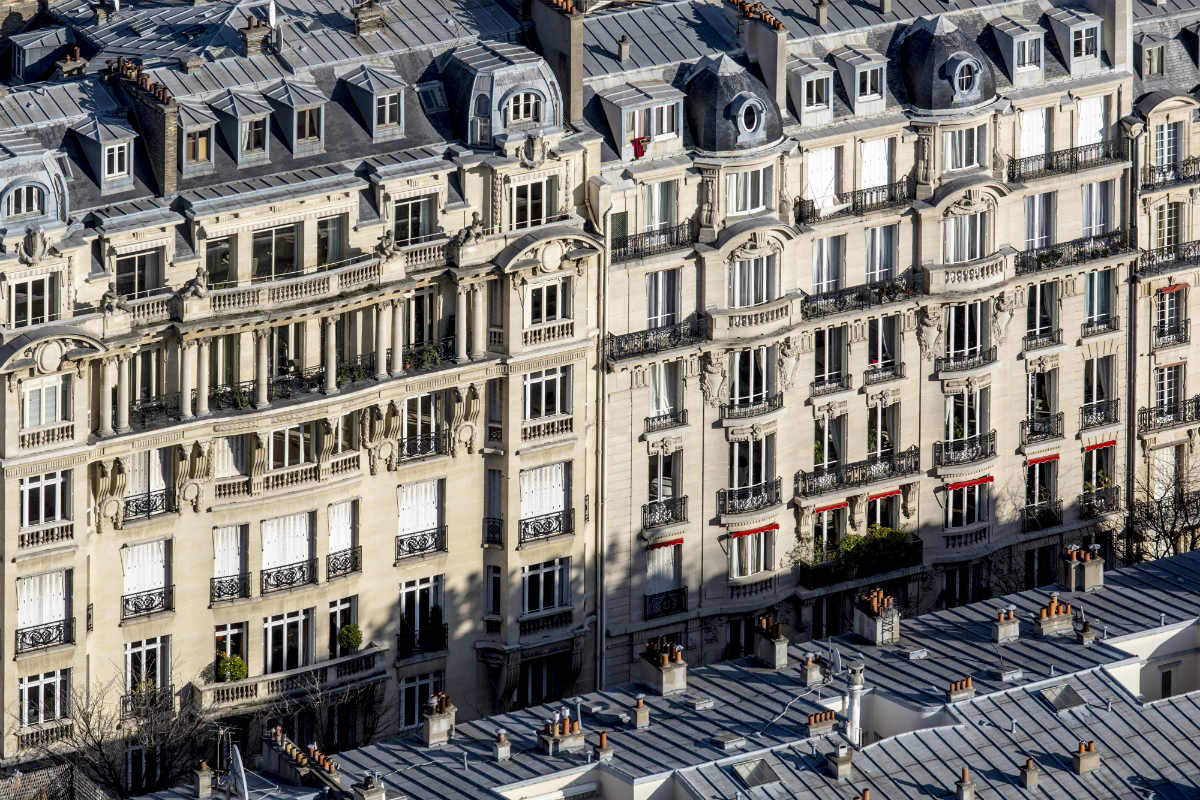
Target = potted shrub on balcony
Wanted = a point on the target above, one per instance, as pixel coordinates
(231, 668)
(350, 638)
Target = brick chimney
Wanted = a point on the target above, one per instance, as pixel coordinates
(1086, 758)
(439, 720)
(1029, 775)
(561, 734)
(876, 618)
(1006, 627)
(157, 116)
(367, 17)
(1055, 618)
(770, 645)
(1083, 570)
(662, 668)
(965, 788)
(254, 37)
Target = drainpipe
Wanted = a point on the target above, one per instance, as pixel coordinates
(602, 459)
(1133, 129)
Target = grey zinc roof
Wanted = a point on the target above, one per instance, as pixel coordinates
(43, 37)
(488, 56)
(14, 144)
(1016, 26)
(262, 189)
(194, 115)
(240, 104)
(375, 79)
(295, 93)
(632, 95)
(55, 103)
(661, 34)
(105, 129)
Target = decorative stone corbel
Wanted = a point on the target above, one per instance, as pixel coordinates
(852, 504)
(907, 498)
(712, 381)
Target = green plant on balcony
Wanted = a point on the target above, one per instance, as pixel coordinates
(424, 357)
(349, 638)
(231, 668)
(879, 547)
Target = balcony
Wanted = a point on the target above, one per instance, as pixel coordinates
(651, 243)
(970, 538)
(549, 332)
(740, 591)
(291, 477)
(493, 532)
(830, 568)
(545, 526)
(546, 622)
(58, 532)
(1063, 162)
(534, 429)
(829, 384)
(1106, 323)
(859, 473)
(1161, 418)
(1170, 335)
(288, 576)
(148, 700)
(657, 513)
(748, 408)
(1099, 414)
(148, 411)
(857, 202)
(343, 562)
(39, 737)
(1177, 173)
(859, 298)
(149, 504)
(969, 277)
(882, 373)
(366, 665)
(746, 499)
(328, 281)
(665, 604)
(140, 604)
(295, 382)
(674, 418)
(50, 634)
(419, 543)
(1041, 340)
(230, 396)
(961, 362)
(1042, 428)
(423, 356)
(964, 451)
(1100, 502)
(230, 587)
(1041, 516)
(47, 436)
(1184, 255)
(424, 445)
(653, 340)
(1075, 251)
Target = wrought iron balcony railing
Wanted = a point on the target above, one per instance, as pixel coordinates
(1041, 339)
(964, 361)
(557, 523)
(856, 202)
(1102, 412)
(745, 408)
(417, 543)
(859, 473)
(664, 512)
(1177, 173)
(1060, 162)
(1170, 335)
(964, 451)
(1105, 323)
(1099, 502)
(288, 576)
(1042, 427)
(424, 445)
(830, 384)
(744, 499)
(858, 298)
(671, 419)
(653, 340)
(1042, 515)
(493, 532)
(343, 562)
(141, 603)
(1183, 255)
(664, 604)
(39, 637)
(149, 504)
(1075, 251)
(229, 587)
(1172, 415)
(649, 243)
(881, 373)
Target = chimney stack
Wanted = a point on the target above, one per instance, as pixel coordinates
(839, 762)
(439, 720)
(1006, 627)
(368, 789)
(1083, 570)
(876, 618)
(965, 788)
(812, 670)
(202, 784)
(603, 750)
(1055, 617)
(662, 668)
(623, 46)
(885, 6)
(770, 646)
(822, 13)
(367, 17)
(254, 37)
(854, 712)
(1029, 775)
(501, 747)
(641, 713)
(960, 690)
(1086, 758)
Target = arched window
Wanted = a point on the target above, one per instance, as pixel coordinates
(25, 201)
(524, 107)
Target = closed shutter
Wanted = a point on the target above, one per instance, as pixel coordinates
(1034, 130)
(662, 569)
(543, 490)
(227, 551)
(419, 506)
(145, 567)
(876, 163)
(1093, 120)
(41, 599)
(341, 526)
(137, 475)
(822, 174)
(286, 540)
(229, 456)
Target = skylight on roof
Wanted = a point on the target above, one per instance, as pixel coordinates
(1062, 697)
(754, 773)
(433, 96)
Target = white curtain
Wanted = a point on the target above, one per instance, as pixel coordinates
(147, 472)
(419, 506)
(227, 551)
(827, 264)
(341, 526)
(1096, 200)
(229, 456)
(876, 163)
(881, 249)
(41, 599)
(662, 394)
(1034, 132)
(1093, 120)
(662, 569)
(964, 238)
(286, 540)
(145, 566)
(822, 176)
(1039, 220)
(1164, 464)
(543, 490)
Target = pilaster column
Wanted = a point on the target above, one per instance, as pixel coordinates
(478, 321)
(383, 315)
(460, 324)
(106, 387)
(122, 393)
(187, 377)
(262, 363)
(202, 388)
(330, 355)
(397, 338)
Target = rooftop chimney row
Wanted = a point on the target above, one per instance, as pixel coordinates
(1055, 617)
(876, 618)
(662, 667)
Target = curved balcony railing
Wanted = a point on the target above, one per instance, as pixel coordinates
(1042, 428)
(229, 587)
(964, 451)
(1165, 417)
(744, 499)
(1042, 515)
(1183, 255)
(149, 410)
(343, 562)
(653, 340)
(1170, 335)
(664, 512)
(1177, 173)
(288, 576)
(1075, 251)
(149, 504)
(856, 202)
(745, 408)
(557, 523)
(418, 543)
(425, 445)
(965, 361)
(39, 637)
(649, 243)
(149, 602)
(664, 604)
(859, 298)
(1060, 162)
(1097, 414)
(859, 473)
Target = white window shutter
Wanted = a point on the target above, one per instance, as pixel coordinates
(874, 163)
(1033, 132)
(341, 526)
(27, 602)
(136, 475)
(227, 551)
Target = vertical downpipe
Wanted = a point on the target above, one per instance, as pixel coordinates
(1131, 355)
(602, 458)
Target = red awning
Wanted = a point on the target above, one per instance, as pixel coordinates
(774, 526)
(668, 543)
(1091, 447)
(985, 479)
(1174, 287)
(842, 504)
(1041, 460)
(882, 495)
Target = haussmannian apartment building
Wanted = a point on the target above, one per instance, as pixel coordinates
(517, 335)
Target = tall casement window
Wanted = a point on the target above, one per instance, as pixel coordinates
(273, 253)
(32, 301)
(287, 641)
(966, 414)
(1098, 294)
(1097, 207)
(827, 263)
(967, 502)
(964, 237)
(965, 148)
(139, 273)
(414, 219)
(1167, 224)
(532, 203)
(965, 329)
(1039, 220)
(662, 298)
(752, 281)
(881, 253)
(748, 191)
(752, 376)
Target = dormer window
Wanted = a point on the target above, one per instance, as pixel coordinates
(387, 109)
(750, 118)
(870, 83)
(816, 93)
(25, 201)
(116, 160)
(308, 124)
(525, 107)
(254, 136)
(1084, 42)
(1029, 54)
(966, 77)
(198, 148)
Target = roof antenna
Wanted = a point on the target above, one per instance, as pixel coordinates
(1162, 619)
